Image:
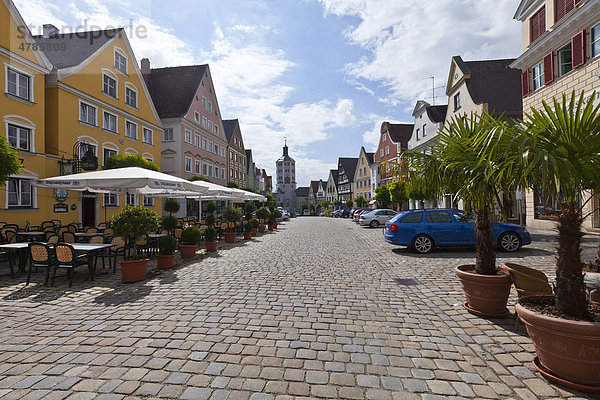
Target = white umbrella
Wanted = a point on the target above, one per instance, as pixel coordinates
(121, 180)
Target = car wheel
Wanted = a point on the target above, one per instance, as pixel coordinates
(422, 244)
(509, 242)
(374, 224)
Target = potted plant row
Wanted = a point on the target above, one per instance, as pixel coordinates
(210, 233)
(188, 243)
(232, 215)
(263, 214)
(248, 210)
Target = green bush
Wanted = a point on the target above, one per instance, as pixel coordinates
(169, 223)
(171, 206)
(263, 213)
(191, 235)
(248, 210)
(167, 245)
(211, 207)
(210, 234)
(134, 222)
(129, 160)
(254, 223)
(210, 220)
(232, 214)
(327, 213)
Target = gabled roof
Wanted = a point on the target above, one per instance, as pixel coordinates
(437, 114)
(349, 165)
(399, 133)
(324, 184)
(70, 49)
(302, 191)
(495, 83)
(314, 185)
(370, 157)
(525, 8)
(229, 126)
(173, 88)
(334, 173)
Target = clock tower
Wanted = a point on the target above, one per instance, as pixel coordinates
(286, 180)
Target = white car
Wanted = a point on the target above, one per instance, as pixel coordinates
(376, 218)
(284, 214)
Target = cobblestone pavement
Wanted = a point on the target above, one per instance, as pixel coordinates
(312, 310)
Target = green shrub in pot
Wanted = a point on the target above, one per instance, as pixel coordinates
(167, 245)
(191, 235)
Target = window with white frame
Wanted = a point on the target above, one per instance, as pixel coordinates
(147, 136)
(424, 130)
(216, 149)
(381, 153)
(198, 167)
(456, 101)
(223, 152)
(236, 174)
(18, 84)
(203, 102)
(231, 172)
(131, 130)
(130, 97)
(20, 192)
(129, 199)
(216, 171)
(204, 122)
(19, 137)
(188, 164)
(197, 140)
(418, 134)
(168, 135)
(595, 40)
(108, 153)
(210, 147)
(210, 126)
(216, 129)
(537, 76)
(148, 201)
(387, 150)
(222, 173)
(120, 62)
(384, 137)
(210, 170)
(204, 169)
(86, 146)
(197, 116)
(109, 85)
(110, 200)
(188, 136)
(110, 122)
(209, 106)
(87, 113)
(565, 60)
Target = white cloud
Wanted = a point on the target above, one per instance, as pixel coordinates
(250, 82)
(408, 43)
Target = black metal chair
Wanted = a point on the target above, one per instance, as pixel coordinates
(67, 258)
(40, 256)
(5, 256)
(118, 248)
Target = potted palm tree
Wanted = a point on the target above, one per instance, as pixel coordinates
(210, 234)
(232, 215)
(263, 213)
(456, 166)
(132, 223)
(188, 243)
(558, 149)
(166, 252)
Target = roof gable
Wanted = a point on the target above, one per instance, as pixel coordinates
(526, 9)
(348, 164)
(229, 125)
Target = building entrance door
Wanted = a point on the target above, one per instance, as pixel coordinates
(88, 211)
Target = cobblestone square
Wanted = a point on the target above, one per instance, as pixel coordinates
(311, 310)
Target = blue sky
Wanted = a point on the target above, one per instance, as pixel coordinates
(322, 73)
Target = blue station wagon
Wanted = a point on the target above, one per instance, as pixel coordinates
(423, 230)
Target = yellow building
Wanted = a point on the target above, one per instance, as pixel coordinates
(97, 106)
(362, 175)
(22, 111)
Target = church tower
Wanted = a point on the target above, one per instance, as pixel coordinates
(286, 180)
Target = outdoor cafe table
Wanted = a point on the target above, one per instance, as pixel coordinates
(92, 251)
(153, 239)
(31, 235)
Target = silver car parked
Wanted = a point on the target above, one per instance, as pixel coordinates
(377, 217)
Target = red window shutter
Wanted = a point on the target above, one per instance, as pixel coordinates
(542, 20)
(548, 68)
(525, 83)
(569, 5)
(578, 49)
(559, 9)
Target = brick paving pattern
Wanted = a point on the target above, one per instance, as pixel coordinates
(312, 311)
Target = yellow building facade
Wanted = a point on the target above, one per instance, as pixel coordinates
(362, 175)
(22, 108)
(87, 98)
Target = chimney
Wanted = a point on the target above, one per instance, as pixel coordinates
(145, 67)
(49, 30)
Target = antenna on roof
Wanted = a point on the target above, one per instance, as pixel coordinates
(433, 88)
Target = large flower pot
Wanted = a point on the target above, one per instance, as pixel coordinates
(487, 295)
(247, 235)
(188, 250)
(165, 261)
(254, 231)
(262, 228)
(229, 237)
(567, 351)
(271, 227)
(134, 270)
(211, 246)
(275, 225)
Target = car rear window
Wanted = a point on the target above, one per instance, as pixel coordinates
(439, 217)
(413, 218)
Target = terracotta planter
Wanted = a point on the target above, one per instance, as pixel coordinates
(487, 295)
(568, 350)
(134, 270)
(165, 261)
(271, 227)
(262, 228)
(254, 231)
(247, 235)
(211, 246)
(229, 237)
(188, 251)
(275, 225)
